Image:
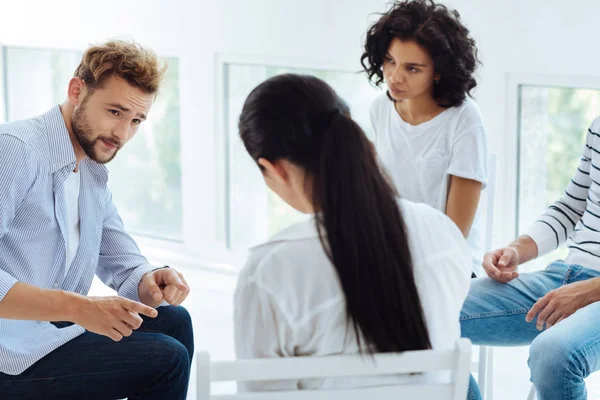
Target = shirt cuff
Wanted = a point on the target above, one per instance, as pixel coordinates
(129, 288)
(543, 236)
(6, 283)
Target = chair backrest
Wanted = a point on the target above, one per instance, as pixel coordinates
(487, 203)
(490, 202)
(485, 364)
(456, 360)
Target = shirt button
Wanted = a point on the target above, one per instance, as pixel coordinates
(56, 286)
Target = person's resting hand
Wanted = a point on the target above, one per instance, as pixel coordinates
(501, 265)
(560, 303)
(163, 284)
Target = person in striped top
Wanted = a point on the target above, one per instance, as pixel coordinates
(556, 309)
(59, 227)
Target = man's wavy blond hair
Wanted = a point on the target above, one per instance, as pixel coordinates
(138, 66)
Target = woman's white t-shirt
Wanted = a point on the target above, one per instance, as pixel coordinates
(420, 158)
(289, 301)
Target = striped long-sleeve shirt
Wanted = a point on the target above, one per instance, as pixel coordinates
(575, 218)
(36, 156)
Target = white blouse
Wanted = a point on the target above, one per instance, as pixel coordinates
(289, 301)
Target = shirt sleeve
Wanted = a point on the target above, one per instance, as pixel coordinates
(17, 175)
(120, 263)
(259, 330)
(373, 119)
(376, 116)
(469, 154)
(555, 226)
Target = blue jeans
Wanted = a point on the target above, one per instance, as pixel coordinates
(473, 393)
(560, 357)
(153, 363)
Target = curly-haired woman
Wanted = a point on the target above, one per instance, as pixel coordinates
(429, 134)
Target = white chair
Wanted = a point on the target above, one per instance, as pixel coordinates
(456, 360)
(485, 365)
(486, 354)
(532, 393)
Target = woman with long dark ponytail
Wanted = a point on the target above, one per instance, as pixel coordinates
(369, 272)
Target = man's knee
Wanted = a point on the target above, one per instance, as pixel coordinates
(180, 322)
(478, 296)
(551, 355)
(164, 364)
(173, 355)
(176, 314)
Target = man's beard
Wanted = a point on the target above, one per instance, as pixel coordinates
(85, 137)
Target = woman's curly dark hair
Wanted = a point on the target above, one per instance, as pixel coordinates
(440, 32)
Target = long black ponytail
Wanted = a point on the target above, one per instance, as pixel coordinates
(301, 119)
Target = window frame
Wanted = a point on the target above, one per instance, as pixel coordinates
(158, 249)
(223, 60)
(513, 139)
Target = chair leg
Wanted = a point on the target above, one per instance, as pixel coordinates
(482, 373)
(203, 376)
(490, 374)
(532, 394)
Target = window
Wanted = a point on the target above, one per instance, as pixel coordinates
(145, 177)
(253, 212)
(553, 124)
